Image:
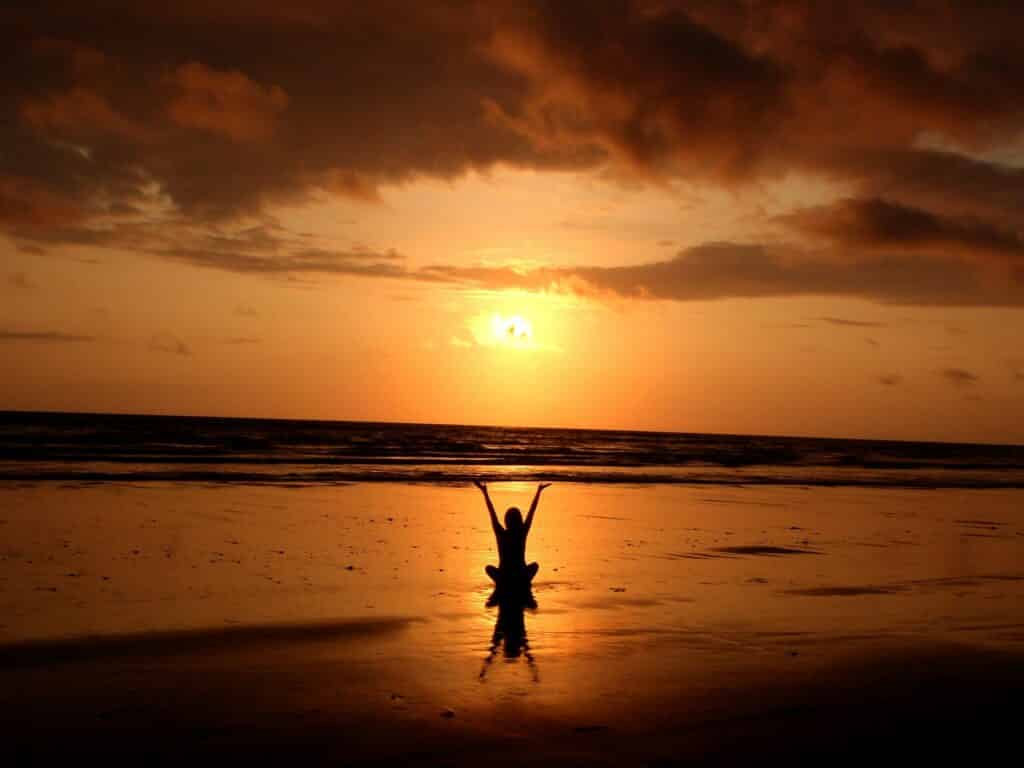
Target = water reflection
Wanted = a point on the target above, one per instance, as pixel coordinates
(510, 630)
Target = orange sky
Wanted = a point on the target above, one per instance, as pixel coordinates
(814, 230)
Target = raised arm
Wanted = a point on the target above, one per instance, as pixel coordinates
(490, 507)
(533, 505)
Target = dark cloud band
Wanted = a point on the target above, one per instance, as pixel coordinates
(220, 113)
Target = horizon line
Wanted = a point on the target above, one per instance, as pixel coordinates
(4, 412)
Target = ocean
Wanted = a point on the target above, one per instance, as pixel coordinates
(123, 448)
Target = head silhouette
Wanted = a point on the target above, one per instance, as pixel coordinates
(513, 519)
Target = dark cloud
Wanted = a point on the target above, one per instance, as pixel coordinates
(951, 184)
(315, 261)
(959, 377)
(879, 225)
(20, 281)
(169, 343)
(651, 88)
(217, 113)
(244, 310)
(890, 380)
(228, 112)
(243, 340)
(225, 103)
(265, 249)
(730, 270)
(853, 323)
(43, 336)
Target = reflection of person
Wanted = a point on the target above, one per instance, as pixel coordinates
(512, 541)
(510, 636)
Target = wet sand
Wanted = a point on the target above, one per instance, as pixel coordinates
(350, 623)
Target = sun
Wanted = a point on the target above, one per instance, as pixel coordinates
(494, 330)
(513, 331)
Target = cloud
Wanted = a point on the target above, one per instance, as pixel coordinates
(875, 224)
(743, 270)
(266, 249)
(319, 261)
(959, 377)
(712, 270)
(853, 323)
(168, 343)
(83, 113)
(43, 336)
(225, 103)
(21, 281)
(227, 112)
(238, 340)
(648, 88)
(222, 112)
(946, 182)
(244, 310)
(890, 380)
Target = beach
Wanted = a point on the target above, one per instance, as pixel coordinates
(350, 621)
(289, 288)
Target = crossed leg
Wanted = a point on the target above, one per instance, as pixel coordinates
(495, 573)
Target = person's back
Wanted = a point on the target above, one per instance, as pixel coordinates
(511, 540)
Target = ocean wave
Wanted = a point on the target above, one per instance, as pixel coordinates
(109, 448)
(808, 476)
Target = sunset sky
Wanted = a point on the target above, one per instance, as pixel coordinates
(743, 217)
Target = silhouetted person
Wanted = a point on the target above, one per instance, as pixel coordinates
(512, 571)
